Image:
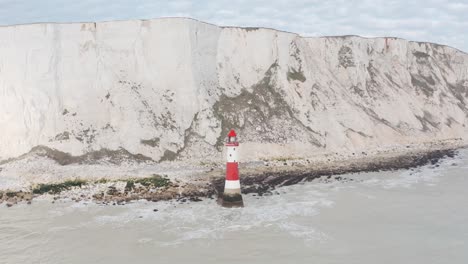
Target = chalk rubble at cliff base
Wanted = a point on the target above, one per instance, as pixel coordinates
(188, 184)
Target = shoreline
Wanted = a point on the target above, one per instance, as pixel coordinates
(267, 181)
(259, 180)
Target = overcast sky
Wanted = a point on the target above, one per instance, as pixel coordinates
(440, 21)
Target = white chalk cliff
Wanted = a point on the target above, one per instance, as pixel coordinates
(172, 88)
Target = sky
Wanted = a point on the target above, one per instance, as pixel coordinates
(438, 21)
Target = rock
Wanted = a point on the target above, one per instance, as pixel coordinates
(195, 199)
(11, 201)
(112, 191)
(98, 196)
(27, 196)
(289, 88)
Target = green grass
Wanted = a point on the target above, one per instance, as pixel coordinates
(130, 185)
(102, 180)
(55, 188)
(11, 194)
(154, 180)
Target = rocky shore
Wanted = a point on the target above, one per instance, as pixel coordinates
(260, 180)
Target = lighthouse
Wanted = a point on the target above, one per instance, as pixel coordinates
(232, 193)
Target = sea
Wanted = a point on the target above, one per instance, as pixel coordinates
(407, 216)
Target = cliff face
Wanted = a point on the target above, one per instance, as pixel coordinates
(172, 88)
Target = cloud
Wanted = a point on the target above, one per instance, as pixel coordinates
(439, 21)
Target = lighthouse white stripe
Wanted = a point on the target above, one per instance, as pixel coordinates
(232, 185)
(232, 154)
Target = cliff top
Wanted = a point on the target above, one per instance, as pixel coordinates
(235, 27)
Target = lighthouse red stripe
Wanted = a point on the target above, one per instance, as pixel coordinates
(232, 171)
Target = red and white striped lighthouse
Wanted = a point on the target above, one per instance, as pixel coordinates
(232, 193)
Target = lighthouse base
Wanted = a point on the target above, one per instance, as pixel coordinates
(231, 200)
